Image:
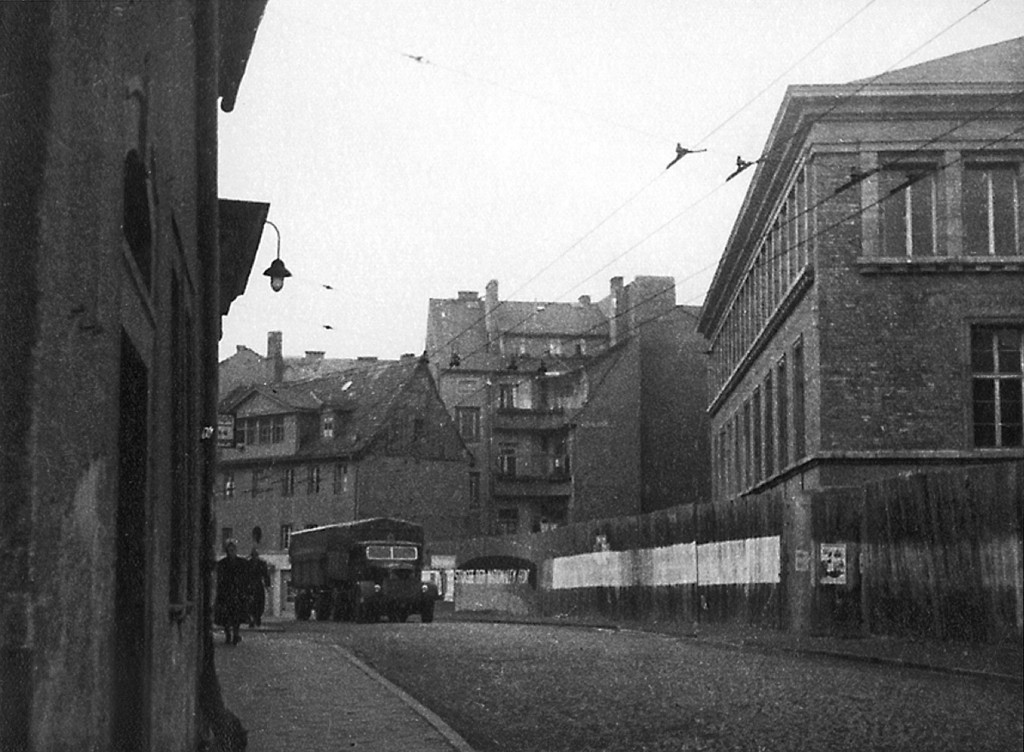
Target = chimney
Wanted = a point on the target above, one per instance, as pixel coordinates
(468, 296)
(490, 324)
(584, 300)
(314, 356)
(614, 322)
(274, 340)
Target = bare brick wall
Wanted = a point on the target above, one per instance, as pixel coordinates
(895, 346)
(606, 443)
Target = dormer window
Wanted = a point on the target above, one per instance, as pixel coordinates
(327, 425)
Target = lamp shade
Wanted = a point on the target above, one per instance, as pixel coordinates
(277, 272)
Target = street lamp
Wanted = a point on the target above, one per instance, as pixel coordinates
(277, 270)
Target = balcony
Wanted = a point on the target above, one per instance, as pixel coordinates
(519, 419)
(532, 475)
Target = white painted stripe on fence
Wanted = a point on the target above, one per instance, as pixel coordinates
(734, 562)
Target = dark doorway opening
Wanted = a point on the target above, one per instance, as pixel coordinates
(130, 716)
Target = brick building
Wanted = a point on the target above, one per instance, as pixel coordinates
(574, 410)
(372, 440)
(867, 315)
(116, 279)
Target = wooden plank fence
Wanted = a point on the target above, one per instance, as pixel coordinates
(934, 555)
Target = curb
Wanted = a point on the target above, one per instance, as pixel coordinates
(450, 734)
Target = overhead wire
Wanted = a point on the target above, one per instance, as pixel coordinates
(825, 230)
(633, 197)
(765, 155)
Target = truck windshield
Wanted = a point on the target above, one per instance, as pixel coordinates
(391, 553)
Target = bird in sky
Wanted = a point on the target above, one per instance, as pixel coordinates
(682, 151)
(328, 326)
(417, 58)
(741, 165)
(327, 287)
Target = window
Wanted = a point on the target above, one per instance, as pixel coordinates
(327, 426)
(229, 485)
(748, 454)
(258, 478)
(769, 425)
(799, 419)
(313, 479)
(268, 430)
(508, 521)
(226, 534)
(991, 208)
(286, 536)
(506, 396)
(783, 403)
(474, 490)
(908, 211)
(340, 477)
(507, 459)
(758, 474)
(997, 365)
(288, 481)
(469, 422)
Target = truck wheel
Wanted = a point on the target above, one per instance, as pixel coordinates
(323, 607)
(360, 609)
(427, 613)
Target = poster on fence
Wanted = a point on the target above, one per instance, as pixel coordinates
(833, 564)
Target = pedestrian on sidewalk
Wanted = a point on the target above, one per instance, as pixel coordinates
(259, 581)
(232, 590)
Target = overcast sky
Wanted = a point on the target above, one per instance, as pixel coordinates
(528, 144)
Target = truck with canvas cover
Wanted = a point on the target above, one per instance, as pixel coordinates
(361, 571)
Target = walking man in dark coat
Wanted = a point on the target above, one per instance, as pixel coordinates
(259, 581)
(232, 591)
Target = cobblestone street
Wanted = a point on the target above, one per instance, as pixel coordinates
(518, 687)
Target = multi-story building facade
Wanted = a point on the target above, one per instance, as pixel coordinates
(372, 440)
(573, 410)
(867, 315)
(117, 278)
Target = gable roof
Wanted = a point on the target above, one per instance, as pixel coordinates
(362, 398)
(1002, 62)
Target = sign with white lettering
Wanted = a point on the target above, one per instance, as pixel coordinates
(226, 430)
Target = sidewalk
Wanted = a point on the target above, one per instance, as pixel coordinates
(1003, 662)
(290, 696)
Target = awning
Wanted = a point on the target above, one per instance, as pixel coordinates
(241, 227)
